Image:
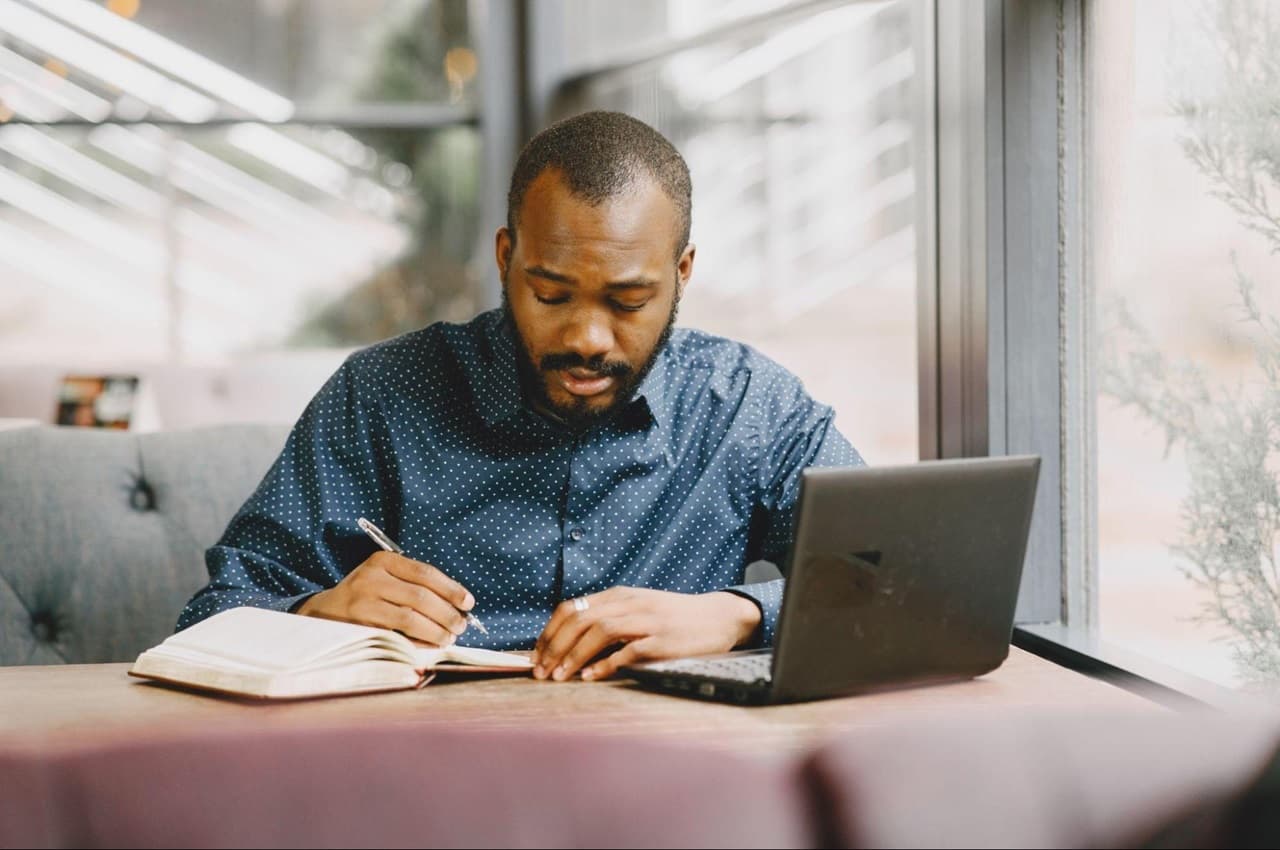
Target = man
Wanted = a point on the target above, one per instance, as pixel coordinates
(588, 479)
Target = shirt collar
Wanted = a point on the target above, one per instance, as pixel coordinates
(501, 399)
(651, 394)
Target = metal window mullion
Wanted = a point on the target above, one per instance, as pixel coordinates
(1079, 609)
(999, 265)
(969, 225)
(545, 56)
(924, 135)
(1032, 290)
(499, 34)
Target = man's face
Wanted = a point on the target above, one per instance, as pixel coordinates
(592, 291)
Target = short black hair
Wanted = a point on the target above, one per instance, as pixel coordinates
(601, 155)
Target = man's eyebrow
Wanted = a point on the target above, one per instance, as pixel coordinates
(637, 283)
(634, 283)
(539, 271)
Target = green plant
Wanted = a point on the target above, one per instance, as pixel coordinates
(1230, 435)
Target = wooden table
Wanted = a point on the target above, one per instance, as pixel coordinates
(74, 702)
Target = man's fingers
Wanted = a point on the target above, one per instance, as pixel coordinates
(557, 643)
(425, 575)
(640, 650)
(390, 591)
(425, 602)
(410, 623)
(561, 615)
(583, 608)
(600, 636)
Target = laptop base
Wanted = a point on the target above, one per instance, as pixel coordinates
(711, 678)
(714, 690)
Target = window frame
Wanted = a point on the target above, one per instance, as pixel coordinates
(1012, 273)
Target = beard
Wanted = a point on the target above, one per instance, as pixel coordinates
(579, 414)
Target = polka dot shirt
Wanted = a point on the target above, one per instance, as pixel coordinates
(428, 436)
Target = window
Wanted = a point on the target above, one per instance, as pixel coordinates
(186, 180)
(597, 34)
(800, 136)
(1183, 243)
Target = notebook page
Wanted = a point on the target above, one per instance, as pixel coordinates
(275, 640)
(427, 658)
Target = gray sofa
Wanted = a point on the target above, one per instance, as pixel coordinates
(102, 533)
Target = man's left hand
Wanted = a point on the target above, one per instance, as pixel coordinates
(650, 625)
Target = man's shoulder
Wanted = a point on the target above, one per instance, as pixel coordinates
(422, 349)
(727, 363)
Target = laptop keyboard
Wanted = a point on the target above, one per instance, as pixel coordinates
(754, 667)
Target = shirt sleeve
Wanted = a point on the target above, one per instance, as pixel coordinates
(797, 432)
(296, 535)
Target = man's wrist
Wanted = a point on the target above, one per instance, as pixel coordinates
(307, 605)
(743, 613)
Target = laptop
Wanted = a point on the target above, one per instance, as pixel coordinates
(898, 576)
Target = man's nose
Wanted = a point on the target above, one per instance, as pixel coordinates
(588, 335)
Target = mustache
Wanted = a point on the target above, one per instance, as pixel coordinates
(569, 360)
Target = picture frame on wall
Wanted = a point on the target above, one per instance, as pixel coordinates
(97, 401)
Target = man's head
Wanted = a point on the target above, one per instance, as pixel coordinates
(593, 260)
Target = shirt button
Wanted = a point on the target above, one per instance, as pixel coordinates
(575, 534)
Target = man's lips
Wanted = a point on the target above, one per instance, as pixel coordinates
(584, 382)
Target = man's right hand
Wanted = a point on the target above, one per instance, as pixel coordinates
(394, 592)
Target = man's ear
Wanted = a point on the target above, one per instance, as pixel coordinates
(502, 247)
(684, 268)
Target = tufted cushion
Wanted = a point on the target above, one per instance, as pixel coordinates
(102, 533)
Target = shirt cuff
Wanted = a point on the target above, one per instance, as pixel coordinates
(205, 605)
(295, 602)
(288, 604)
(768, 595)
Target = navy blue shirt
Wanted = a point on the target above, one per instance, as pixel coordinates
(428, 436)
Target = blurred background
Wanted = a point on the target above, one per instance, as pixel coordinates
(219, 201)
(226, 198)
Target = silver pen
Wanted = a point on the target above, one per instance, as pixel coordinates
(380, 537)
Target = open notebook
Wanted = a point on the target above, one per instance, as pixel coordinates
(272, 655)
